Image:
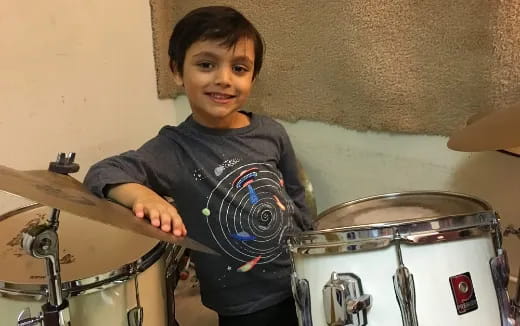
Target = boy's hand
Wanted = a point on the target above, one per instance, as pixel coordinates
(161, 214)
(146, 203)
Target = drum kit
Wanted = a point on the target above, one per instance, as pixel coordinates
(413, 258)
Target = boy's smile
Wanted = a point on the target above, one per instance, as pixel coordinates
(217, 81)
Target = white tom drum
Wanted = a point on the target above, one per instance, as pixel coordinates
(417, 258)
(99, 267)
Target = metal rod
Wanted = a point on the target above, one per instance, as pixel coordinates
(53, 220)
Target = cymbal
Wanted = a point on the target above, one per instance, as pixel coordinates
(68, 194)
(497, 130)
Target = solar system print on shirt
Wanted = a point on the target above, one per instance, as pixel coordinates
(249, 214)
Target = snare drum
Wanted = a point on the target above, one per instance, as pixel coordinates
(418, 258)
(99, 266)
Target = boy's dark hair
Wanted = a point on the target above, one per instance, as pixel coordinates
(213, 23)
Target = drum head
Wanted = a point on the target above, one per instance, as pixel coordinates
(87, 248)
(399, 207)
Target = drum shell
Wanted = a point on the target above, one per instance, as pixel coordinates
(454, 245)
(435, 303)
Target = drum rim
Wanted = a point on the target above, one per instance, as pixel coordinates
(86, 285)
(365, 237)
(487, 206)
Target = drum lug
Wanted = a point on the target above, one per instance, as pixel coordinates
(136, 314)
(302, 299)
(344, 301)
(404, 287)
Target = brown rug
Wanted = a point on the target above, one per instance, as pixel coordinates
(388, 65)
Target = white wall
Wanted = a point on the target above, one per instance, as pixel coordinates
(76, 76)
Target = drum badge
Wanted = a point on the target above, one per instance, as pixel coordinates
(463, 293)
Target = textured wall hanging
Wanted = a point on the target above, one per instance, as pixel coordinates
(388, 65)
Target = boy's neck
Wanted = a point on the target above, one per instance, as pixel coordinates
(235, 120)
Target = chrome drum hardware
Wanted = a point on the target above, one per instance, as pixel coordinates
(404, 287)
(500, 274)
(344, 301)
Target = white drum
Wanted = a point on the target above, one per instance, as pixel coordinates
(418, 258)
(99, 264)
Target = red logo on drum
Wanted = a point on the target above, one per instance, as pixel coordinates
(463, 293)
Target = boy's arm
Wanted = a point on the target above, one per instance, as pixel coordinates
(289, 168)
(134, 179)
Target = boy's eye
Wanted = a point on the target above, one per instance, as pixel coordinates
(205, 65)
(240, 69)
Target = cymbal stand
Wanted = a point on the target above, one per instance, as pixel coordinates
(42, 242)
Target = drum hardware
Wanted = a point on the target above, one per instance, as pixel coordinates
(404, 288)
(302, 299)
(500, 273)
(41, 241)
(344, 302)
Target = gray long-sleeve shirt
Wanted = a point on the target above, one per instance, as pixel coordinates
(237, 191)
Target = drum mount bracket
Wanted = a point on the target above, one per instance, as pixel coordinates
(41, 241)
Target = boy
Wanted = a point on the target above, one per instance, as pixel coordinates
(232, 174)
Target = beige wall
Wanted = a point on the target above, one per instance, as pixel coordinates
(76, 76)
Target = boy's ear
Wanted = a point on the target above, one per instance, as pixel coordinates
(177, 78)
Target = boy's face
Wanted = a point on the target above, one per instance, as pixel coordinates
(217, 81)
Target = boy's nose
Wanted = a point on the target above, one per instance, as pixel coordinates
(223, 77)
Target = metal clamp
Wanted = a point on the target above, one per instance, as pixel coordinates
(344, 301)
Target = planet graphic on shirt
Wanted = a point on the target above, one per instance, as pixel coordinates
(249, 215)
